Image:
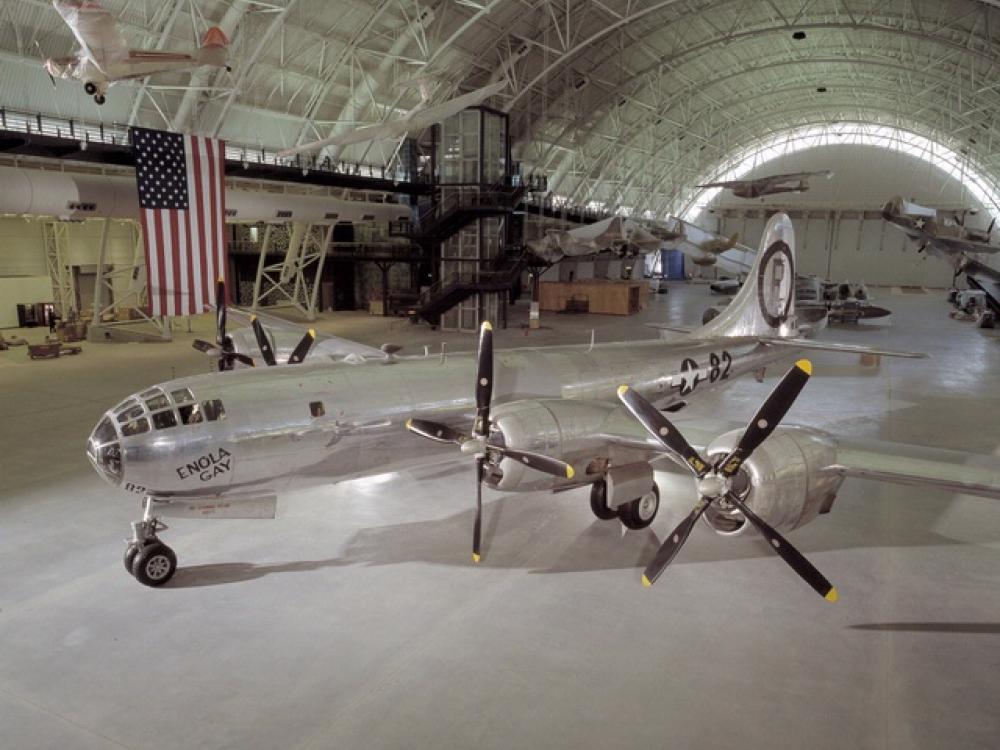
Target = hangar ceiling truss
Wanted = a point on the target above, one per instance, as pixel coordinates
(625, 104)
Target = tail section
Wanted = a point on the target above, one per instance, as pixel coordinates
(765, 305)
(214, 48)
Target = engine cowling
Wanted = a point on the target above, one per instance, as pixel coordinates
(786, 480)
(564, 429)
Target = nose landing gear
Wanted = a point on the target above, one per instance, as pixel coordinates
(95, 91)
(150, 561)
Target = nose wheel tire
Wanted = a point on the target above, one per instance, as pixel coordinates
(90, 87)
(154, 564)
(599, 501)
(639, 513)
(131, 550)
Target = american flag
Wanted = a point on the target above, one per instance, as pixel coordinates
(182, 206)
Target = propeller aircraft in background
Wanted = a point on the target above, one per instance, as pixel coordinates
(795, 182)
(104, 57)
(417, 119)
(222, 445)
(951, 241)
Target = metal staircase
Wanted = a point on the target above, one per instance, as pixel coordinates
(440, 221)
(499, 276)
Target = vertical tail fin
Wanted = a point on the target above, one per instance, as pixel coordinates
(765, 305)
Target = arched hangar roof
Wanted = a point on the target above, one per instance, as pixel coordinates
(623, 102)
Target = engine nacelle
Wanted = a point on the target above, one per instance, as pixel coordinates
(789, 482)
(564, 429)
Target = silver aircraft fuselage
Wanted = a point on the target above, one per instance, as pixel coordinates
(331, 421)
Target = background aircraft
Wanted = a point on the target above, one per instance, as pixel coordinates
(618, 235)
(420, 117)
(949, 239)
(795, 182)
(104, 57)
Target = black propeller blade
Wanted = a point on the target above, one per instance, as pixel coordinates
(477, 443)
(302, 348)
(714, 481)
(223, 347)
(262, 342)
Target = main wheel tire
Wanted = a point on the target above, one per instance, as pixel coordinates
(639, 513)
(599, 501)
(90, 88)
(99, 98)
(154, 564)
(131, 550)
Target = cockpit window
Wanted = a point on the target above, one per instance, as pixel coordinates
(190, 414)
(164, 419)
(181, 396)
(157, 402)
(213, 410)
(105, 432)
(130, 413)
(135, 427)
(126, 405)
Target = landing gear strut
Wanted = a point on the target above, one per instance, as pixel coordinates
(635, 514)
(149, 560)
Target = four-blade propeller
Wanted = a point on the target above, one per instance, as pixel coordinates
(477, 443)
(714, 480)
(225, 350)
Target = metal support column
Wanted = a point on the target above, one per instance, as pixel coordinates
(308, 245)
(55, 236)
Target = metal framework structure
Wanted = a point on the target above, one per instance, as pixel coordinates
(55, 235)
(301, 269)
(623, 104)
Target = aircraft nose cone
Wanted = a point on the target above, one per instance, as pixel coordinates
(104, 451)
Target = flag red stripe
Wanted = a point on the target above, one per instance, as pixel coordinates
(161, 258)
(222, 253)
(150, 254)
(178, 269)
(198, 204)
(212, 248)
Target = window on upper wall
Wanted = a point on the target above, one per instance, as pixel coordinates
(316, 409)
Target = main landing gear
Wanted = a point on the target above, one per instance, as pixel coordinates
(91, 88)
(636, 514)
(149, 560)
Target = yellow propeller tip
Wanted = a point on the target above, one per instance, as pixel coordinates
(831, 595)
(569, 472)
(253, 318)
(222, 280)
(622, 389)
(409, 424)
(487, 326)
(805, 365)
(646, 582)
(475, 557)
(312, 333)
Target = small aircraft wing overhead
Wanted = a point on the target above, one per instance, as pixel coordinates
(95, 29)
(956, 245)
(413, 122)
(725, 184)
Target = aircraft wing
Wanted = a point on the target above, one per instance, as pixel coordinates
(95, 29)
(286, 334)
(832, 346)
(920, 466)
(392, 129)
(155, 56)
(726, 184)
(953, 245)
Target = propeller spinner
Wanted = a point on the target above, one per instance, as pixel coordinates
(714, 481)
(477, 443)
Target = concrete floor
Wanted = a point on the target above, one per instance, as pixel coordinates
(355, 620)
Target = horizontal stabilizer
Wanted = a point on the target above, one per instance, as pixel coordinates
(824, 346)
